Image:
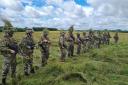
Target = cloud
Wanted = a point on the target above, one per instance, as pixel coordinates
(54, 2)
(110, 7)
(100, 14)
(109, 13)
(11, 4)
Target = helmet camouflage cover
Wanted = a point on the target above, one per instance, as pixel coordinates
(78, 33)
(45, 31)
(71, 29)
(29, 31)
(62, 32)
(8, 28)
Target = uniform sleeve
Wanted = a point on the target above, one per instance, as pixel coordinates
(3, 47)
(61, 41)
(73, 37)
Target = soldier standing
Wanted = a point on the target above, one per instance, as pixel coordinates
(71, 40)
(44, 44)
(9, 49)
(88, 43)
(84, 41)
(108, 38)
(105, 38)
(116, 37)
(97, 38)
(63, 46)
(100, 37)
(79, 42)
(91, 38)
(27, 45)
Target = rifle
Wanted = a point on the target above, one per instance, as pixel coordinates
(14, 47)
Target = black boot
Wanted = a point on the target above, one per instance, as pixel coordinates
(32, 70)
(4, 81)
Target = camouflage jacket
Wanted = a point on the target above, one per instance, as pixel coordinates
(27, 45)
(71, 39)
(79, 40)
(116, 37)
(44, 43)
(8, 44)
(62, 42)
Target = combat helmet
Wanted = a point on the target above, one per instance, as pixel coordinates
(71, 29)
(8, 29)
(29, 31)
(78, 34)
(45, 32)
(62, 32)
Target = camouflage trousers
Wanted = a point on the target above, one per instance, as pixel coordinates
(9, 62)
(97, 44)
(116, 41)
(78, 48)
(28, 63)
(84, 48)
(108, 41)
(63, 54)
(70, 50)
(44, 56)
(88, 45)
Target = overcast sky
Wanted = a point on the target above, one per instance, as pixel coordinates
(84, 14)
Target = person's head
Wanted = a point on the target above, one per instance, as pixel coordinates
(8, 29)
(116, 33)
(45, 32)
(29, 32)
(71, 29)
(78, 34)
(62, 33)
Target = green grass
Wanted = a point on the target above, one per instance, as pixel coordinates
(105, 66)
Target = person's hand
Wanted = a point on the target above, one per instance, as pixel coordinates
(12, 51)
(45, 41)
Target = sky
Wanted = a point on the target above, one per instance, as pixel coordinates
(83, 14)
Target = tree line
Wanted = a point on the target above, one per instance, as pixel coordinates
(34, 28)
(55, 29)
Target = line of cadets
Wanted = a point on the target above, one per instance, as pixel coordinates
(66, 45)
(84, 43)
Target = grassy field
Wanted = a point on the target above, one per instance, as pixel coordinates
(105, 66)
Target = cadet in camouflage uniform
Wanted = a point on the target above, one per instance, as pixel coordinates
(79, 42)
(97, 41)
(84, 41)
(44, 44)
(9, 49)
(104, 38)
(116, 37)
(88, 43)
(100, 37)
(108, 38)
(71, 40)
(27, 45)
(62, 46)
(91, 39)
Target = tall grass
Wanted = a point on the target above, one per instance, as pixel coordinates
(105, 66)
